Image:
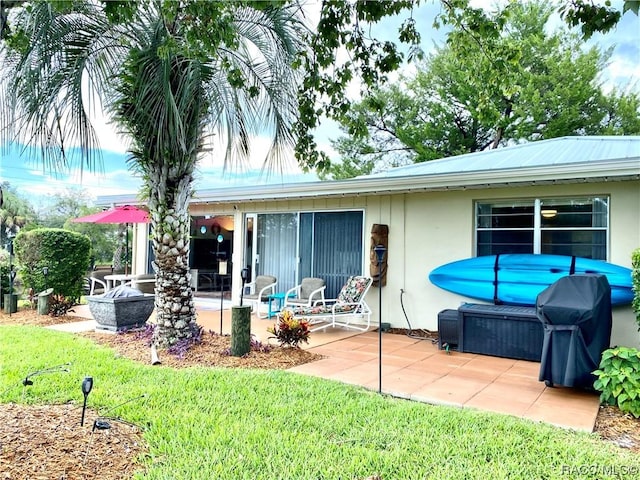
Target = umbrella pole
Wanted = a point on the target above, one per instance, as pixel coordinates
(126, 249)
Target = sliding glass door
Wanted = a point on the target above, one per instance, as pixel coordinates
(276, 248)
(335, 252)
(328, 245)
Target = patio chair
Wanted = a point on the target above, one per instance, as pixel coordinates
(96, 281)
(342, 311)
(309, 292)
(262, 287)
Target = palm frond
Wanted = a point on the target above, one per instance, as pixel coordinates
(46, 85)
(269, 39)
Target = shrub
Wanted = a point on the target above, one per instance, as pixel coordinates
(66, 255)
(635, 280)
(180, 348)
(59, 305)
(290, 331)
(619, 379)
(4, 271)
(255, 346)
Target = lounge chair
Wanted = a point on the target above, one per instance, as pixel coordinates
(309, 292)
(262, 287)
(342, 311)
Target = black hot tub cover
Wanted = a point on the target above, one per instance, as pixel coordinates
(575, 313)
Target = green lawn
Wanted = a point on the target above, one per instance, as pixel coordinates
(246, 424)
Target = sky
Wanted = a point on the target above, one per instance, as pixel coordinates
(33, 182)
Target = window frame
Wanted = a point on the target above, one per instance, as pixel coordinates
(538, 204)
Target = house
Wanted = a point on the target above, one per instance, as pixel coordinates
(571, 195)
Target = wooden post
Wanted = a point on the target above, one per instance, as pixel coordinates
(240, 330)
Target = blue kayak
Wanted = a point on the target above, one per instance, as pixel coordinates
(517, 279)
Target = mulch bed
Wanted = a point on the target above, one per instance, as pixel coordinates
(46, 442)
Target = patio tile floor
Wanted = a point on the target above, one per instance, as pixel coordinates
(417, 370)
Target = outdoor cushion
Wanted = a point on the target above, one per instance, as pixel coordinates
(261, 283)
(352, 291)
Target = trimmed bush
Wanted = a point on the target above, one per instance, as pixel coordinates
(4, 275)
(66, 254)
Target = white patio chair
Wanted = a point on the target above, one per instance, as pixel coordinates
(262, 287)
(309, 292)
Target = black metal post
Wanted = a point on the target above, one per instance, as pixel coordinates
(380, 251)
(244, 274)
(221, 300)
(220, 238)
(45, 272)
(12, 273)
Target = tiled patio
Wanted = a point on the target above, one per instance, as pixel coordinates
(415, 369)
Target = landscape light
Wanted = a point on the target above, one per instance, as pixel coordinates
(87, 385)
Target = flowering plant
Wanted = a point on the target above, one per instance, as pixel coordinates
(289, 330)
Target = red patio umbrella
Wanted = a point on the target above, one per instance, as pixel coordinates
(122, 214)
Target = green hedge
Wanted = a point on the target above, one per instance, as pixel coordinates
(65, 253)
(4, 274)
(635, 279)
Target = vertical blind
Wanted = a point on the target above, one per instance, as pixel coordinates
(328, 245)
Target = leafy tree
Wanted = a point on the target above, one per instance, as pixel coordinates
(64, 205)
(170, 74)
(525, 84)
(15, 213)
(72, 203)
(345, 27)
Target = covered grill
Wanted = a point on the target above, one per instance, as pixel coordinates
(575, 312)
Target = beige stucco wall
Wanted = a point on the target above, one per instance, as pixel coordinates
(429, 229)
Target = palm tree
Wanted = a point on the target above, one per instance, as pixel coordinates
(15, 213)
(170, 75)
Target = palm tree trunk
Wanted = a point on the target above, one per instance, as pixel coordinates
(169, 208)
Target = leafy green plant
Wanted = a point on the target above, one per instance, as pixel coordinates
(619, 379)
(289, 330)
(635, 280)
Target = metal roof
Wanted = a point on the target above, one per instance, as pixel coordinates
(550, 153)
(554, 161)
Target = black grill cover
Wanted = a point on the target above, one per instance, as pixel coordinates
(575, 313)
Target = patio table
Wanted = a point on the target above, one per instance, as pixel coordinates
(279, 299)
(117, 277)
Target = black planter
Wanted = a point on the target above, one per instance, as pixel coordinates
(10, 303)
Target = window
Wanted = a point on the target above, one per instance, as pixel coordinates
(561, 226)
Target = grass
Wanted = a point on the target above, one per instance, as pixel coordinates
(236, 424)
